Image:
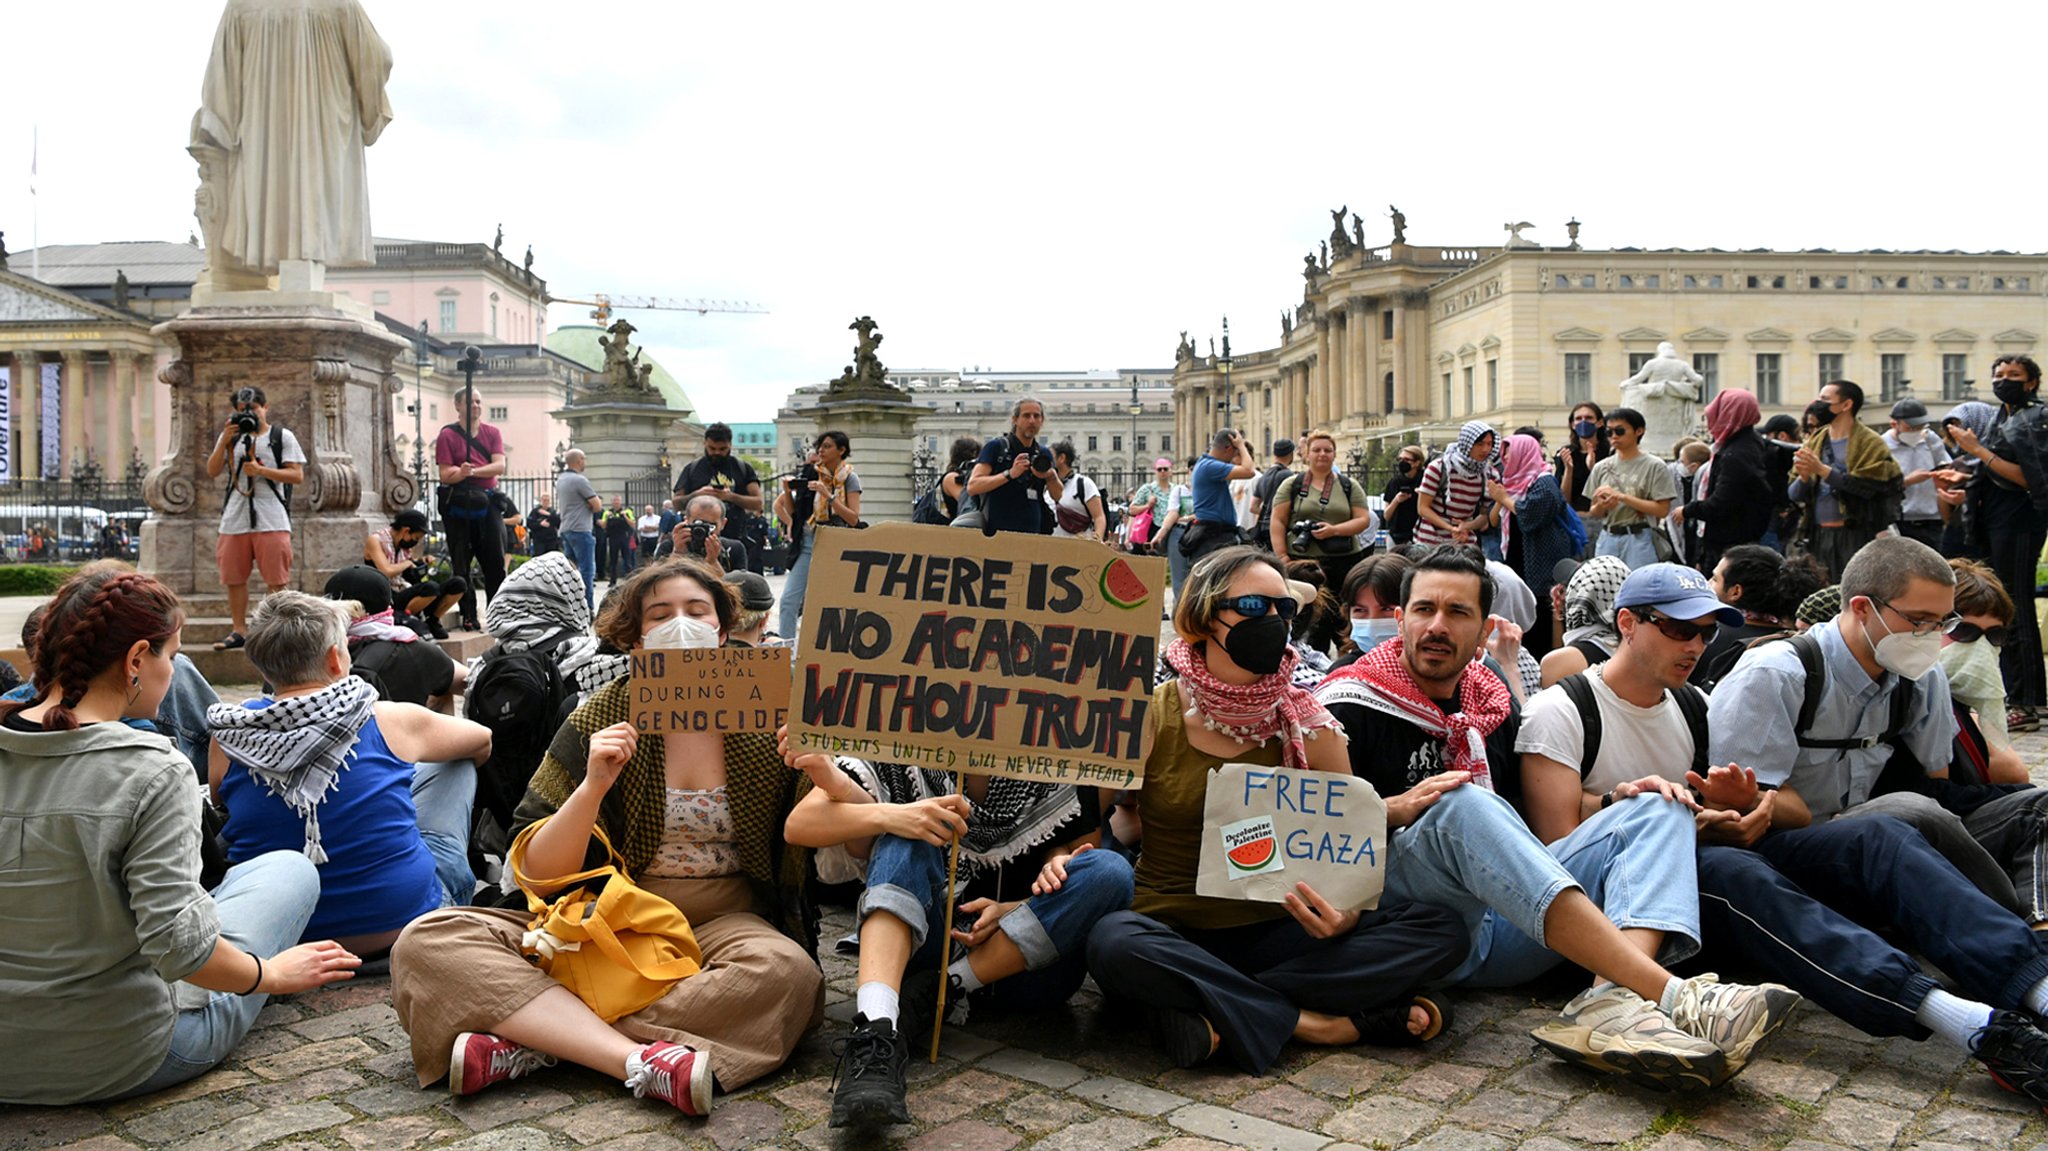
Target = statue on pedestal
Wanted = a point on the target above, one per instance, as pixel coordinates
(1357, 230)
(866, 370)
(1185, 350)
(1309, 269)
(292, 95)
(1400, 224)
(1666, 391)
(623, 373)
(1340, 243)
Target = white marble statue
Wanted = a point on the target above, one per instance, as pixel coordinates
(293, 94)
(1667, 392)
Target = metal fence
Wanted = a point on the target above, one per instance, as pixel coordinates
(63, 521)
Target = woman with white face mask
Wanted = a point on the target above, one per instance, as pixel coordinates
(697, 818)
(1371, 599)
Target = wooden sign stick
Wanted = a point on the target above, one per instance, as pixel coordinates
(946, 952)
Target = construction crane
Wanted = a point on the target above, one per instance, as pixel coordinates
(601, 307)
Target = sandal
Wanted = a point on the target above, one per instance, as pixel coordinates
(1388, 1026)
(234, 641)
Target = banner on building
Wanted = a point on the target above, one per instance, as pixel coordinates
(53, 422)
(1266, 829)
(1017, 655)
(6, 423)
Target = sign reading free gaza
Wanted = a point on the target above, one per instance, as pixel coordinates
(1018, 655)
(1267, 828)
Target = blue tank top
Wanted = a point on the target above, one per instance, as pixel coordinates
(378, 875)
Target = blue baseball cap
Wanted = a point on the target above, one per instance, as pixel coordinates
(1677, 591)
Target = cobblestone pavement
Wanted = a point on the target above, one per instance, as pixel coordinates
(331, 1070)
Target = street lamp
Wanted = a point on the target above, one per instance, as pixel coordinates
(1136, 409)
(1223, 364)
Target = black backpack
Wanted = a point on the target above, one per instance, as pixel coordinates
(1692, 704)
(367, 661)
(522, 696)
(926, 510)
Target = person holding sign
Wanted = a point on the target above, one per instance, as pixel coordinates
(1434, 732)
(1031, 884)
(1244, 977)
(698, 819)
(828, 495)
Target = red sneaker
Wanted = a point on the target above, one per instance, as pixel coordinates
(481, 1059)
(673, 1072)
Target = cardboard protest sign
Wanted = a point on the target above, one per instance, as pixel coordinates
(1268, 828)
(710, 689)
(1018, 655)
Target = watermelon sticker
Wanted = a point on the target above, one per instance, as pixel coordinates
(1121, 586)
(1251, 848)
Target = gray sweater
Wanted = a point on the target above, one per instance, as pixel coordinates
(99, 878)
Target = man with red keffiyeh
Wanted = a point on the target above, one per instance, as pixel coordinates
(1433, 731)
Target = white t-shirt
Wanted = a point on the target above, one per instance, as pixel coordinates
(1075, 492)
(270, 509)
(1634, 741)
(650, 524)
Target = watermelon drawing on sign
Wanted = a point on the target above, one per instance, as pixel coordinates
(1251, 847)
(1121, 586)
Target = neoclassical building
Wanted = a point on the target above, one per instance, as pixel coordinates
(1411, 340)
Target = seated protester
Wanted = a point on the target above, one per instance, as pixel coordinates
(1371, 599)
(1969, 657)
(709, 511)
(1030, 887)
(401, 667)
(1435, 734)
(697, 818)
(1766, 588)
(1587, 617)
(541, 604)
(102, 878)
(390, 551)
(1896, 599)
(757, 599)
(377, 794)
(1317, 622)
(1818, 608)
(1230, 975)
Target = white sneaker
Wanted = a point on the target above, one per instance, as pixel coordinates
(1612, 1029)
(1735, 1017)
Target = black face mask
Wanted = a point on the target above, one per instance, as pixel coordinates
(1258, 645)
(2012, 393)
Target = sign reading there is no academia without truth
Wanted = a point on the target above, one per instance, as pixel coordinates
(1020, 655)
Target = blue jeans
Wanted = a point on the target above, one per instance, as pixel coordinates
(443, 795)
(793, 590)
(1472, 853)
(581, 548)
(264, 904)
(907, 879)
(1176, 563)
(1634, 549)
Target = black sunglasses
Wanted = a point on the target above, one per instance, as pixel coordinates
(1965, 631)
(1679, 630)
(1254, 606)
(1619, 429)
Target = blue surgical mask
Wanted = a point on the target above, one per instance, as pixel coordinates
(1365, 633)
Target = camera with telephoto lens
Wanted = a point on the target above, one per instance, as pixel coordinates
(700, 537)
(1304, 536)
(418, 573)
(244, 419)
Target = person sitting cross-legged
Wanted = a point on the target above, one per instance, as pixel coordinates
(1030, 887)
(1434, 731)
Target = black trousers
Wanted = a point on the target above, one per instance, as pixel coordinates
(430, 591)
(483, 540)
(2015, 549)
(1252, 983)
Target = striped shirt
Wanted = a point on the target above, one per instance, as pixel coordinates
(1458, 498)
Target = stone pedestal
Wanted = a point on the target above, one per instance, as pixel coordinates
(327, 375)
(621, 437)
(879, 423)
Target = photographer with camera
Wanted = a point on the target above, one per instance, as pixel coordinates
(263, 461)
(1215, 523)
(471, 456)
(1014, 475)
(390, 551)
(1320, 514)
(730, 480)
(698, 534)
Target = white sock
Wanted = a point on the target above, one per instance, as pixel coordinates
(1953, 1018)
(2037, 999)
(1668, 1002)
(963, 971)
(876, 1001)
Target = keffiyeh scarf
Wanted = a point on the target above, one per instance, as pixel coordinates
(543, 601)
(1379, 680)
(1015, 816)
(1589, 601)
(1254, 712)
(297, 747)
(1459, 455)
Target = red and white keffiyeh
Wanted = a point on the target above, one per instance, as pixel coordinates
(1379, 680)
(1254, 712)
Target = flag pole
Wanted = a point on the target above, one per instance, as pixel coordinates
(946, 950)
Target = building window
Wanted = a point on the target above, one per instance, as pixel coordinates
(1166, 442)
(494, 321)
(380, 296)
(1387, 324)
(1116, 443)
(1636, 360)
(1578, 377)
(1765, 281)
(1140, 443)
(434, 411)
(1627, 280)
(447, 315)
(1835, 282)
(1447, 393)
(2012, 283)
(1092, 446)
(1269, 399)
(1767, 377)
(1830, 366)
(499, 414)
(1951, 283)
(1708, 281)
(1708, 365)
(1630, 280)
(1952, 382)
(1387, 390)
(1493, 385)
(1470, 399)
(1891, 375)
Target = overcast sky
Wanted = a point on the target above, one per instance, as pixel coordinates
(1069, 185)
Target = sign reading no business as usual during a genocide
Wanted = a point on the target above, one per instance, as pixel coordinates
(710, 689)
(1018, 655)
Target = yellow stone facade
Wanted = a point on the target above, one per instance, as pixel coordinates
(1410, 340)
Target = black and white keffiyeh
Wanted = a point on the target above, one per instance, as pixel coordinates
(542, 601)
(296, 748)
(1014, 817)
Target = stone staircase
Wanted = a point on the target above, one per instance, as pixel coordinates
(208, 623)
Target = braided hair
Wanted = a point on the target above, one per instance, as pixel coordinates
(92, 622)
